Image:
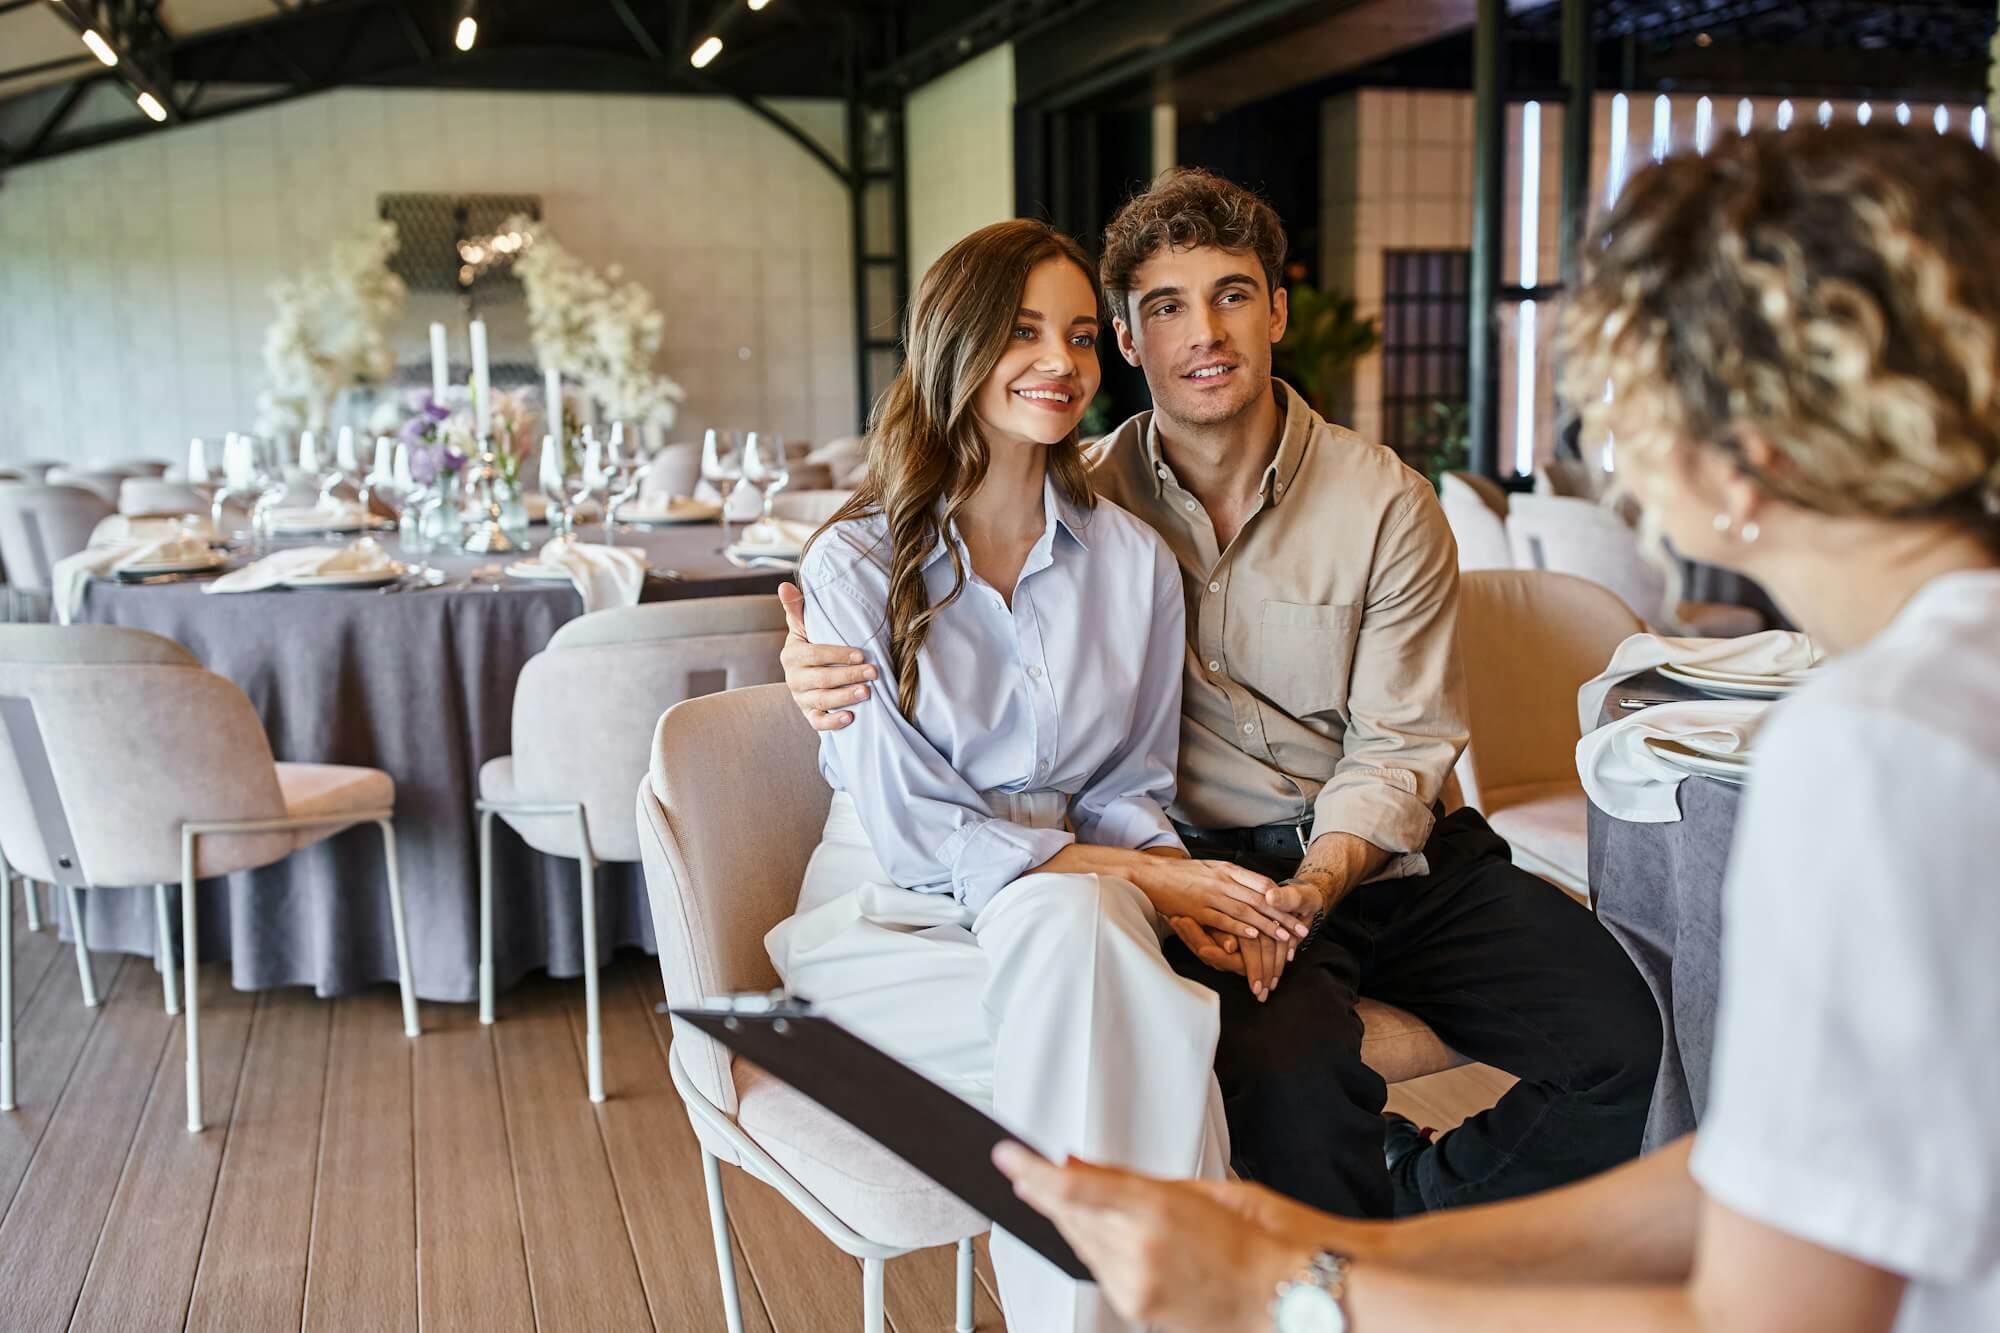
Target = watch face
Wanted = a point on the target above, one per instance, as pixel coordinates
(1305, 1308)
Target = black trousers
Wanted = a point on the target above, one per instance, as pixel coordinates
(1505, 967)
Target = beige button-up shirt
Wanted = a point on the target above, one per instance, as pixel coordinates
(1322, 675)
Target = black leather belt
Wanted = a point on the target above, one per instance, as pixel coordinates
(1269, 840)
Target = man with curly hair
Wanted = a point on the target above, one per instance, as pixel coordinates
(1322, 714)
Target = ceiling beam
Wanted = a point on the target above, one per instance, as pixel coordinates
(45, 66)
(638, 31)
(130, 68)
(57, 117)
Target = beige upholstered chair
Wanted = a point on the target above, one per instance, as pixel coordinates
(1476, 508)
(1581, 537)
(676, 469)
(139, 496)
(1572, 477)
(714, 893)
(35, 469)
(847, 457)
(1529, 639)
(809, 477)
(123, 763)
(100, 480)
(583, 715)
(39, 525)
(808, 506)
(135, 467)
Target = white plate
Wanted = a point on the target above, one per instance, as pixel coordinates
(214, 560)
(294, 527)
(781, 551)
(349, 578)
(1728, 677)
(538, 572)
(1693, 761)
(1743, 687)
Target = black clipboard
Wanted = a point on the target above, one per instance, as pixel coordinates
(940, 1134)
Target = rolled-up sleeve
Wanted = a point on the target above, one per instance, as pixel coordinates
(1406, 694)
(929, 829)
(1125, 802)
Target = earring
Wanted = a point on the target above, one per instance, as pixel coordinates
(1750, 532)
(1723, 523)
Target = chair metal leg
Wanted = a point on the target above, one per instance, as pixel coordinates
(593, 1038)
(486, 915)
(75, 899)
(7, 988)
(725, 1257)
(190, 963)
(410, 1028)
(33, 890)
(872, 1318)
(165, 949)
(964, 1322)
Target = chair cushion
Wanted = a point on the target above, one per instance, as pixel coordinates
(554, 835)
(1718, 620)
(1549, 830)
(333, 789)
(866, 1186)
(1399, 1046)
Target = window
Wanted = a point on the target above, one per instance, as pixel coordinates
(1424, 345)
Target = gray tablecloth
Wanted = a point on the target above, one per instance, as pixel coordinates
(421, 684)
(1658, 889)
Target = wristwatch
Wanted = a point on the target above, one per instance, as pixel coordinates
(1313, 1303)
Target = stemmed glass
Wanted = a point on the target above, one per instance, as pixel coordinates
(766, 467)
(250, 467)
(626, 469)
(556, 477)
(415, 502)
(722, 468)
(588, 479)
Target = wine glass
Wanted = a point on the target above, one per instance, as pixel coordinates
(766, 467)
(626, 469)
(416, 502)
(722, 468)
(556, 476)
(589, 478)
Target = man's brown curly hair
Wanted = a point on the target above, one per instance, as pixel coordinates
(1186, 208)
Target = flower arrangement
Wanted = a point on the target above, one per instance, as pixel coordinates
(443, 435)
(596, 327)
(436, 446)
(330, 331)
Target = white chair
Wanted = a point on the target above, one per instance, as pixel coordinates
(583, 715)
(141, 496)
(809, 477)
(124, 763)
(846, 457)
(1528, 640)
(676, 470)
(35, 469)
(1571, 477)
(104, 483)
(1581, 537)
(725, 850)
(135, 467)
(39, 525)
(808, 506)
(1476, 509)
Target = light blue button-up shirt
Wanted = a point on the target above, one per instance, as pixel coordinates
(1074, 689)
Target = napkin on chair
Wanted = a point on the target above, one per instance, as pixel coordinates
(1775, 652)
(330, 513)
(273, 570)
(1626, 780)
(604, 576)
(69, 575)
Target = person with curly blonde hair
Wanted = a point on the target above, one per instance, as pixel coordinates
(1802, 335)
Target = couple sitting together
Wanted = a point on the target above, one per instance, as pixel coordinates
(1142, 791)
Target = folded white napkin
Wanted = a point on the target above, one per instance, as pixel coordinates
(1626, 780)
(780, 536)
(604, 576)
(120, 528)
(745, 502)
(1775, 652)
(273, 570)
(661, 505)
(69, 575)
(331, 513)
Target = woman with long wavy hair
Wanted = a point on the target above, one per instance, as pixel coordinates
(971, 907)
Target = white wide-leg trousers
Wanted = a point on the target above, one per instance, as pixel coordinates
(1053, 1007)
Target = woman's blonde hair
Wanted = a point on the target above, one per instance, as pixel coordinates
(926, 456)
(1837, 291)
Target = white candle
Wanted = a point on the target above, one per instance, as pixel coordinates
(552, 401)
(440, 364)
(198, 473)
(481, 409)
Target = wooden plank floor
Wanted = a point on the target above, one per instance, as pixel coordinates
(350, 1178)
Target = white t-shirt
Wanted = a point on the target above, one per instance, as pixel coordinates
(1856, 1087)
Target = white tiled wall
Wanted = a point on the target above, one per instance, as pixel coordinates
(1397, 174)
(958, 132)
(133, 277)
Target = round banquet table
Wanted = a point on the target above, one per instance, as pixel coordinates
(419, 682)
(1658, 889)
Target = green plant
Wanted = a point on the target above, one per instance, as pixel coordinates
(1322, 340)
(1097, 418)
(1439, 440)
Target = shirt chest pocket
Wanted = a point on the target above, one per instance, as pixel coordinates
(1304, 654)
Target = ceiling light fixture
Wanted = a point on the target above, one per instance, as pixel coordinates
(758, 4)
(468, 33)
(705, 54)
(151, 106)
(99, 47)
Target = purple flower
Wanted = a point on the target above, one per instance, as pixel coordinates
(423, 463)
(453, 460)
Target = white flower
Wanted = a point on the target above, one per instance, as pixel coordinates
(330, 330)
